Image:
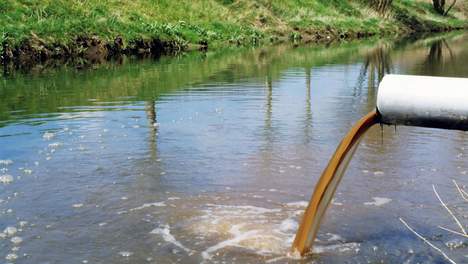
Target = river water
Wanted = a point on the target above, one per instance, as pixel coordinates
(211, 158)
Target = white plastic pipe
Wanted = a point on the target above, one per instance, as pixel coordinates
(439, 102)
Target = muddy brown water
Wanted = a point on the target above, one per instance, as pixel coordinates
(328, 183)
(213, 157)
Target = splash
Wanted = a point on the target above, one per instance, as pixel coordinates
(267, 232)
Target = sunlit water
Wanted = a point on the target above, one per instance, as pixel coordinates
(212, 158)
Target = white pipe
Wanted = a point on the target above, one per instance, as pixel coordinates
(440, 102)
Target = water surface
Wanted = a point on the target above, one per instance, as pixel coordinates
(212, 158)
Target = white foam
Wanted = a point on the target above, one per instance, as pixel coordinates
(288, 225)
(16, 240)
(125, 253)
(334, 237)
(378, 201)
(266, 232)
(298, 204)
(6, 179)
(10, 230)
(6, 162)
(55, 145)
(146, 205)
(11, 256)
(48, 135)
(238, 237)
(259, 210)
(340, 248)
(165, 232)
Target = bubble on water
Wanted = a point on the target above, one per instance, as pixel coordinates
(165, 232)
(10, 230)
(298, 204)
(288, 225)
(6, 179)
(378, 201)
(6, 162)
(334, 237)
(78, 205)
(48, 135)
(125, 253)
(11, 256)
(456, 243)
(55, 145)
(16, 240)
(146, 205)
(340, 248)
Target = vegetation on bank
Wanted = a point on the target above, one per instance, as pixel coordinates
(42, 29)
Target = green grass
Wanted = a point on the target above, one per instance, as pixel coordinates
(217, 22)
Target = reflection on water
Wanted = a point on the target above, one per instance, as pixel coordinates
(212, 157)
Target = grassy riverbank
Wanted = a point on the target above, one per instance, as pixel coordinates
(42, 29)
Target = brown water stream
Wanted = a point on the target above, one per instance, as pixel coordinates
(328, 182)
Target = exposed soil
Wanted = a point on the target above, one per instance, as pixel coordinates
(82, 51)
(89, 50)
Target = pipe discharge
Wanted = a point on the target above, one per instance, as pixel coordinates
(439, 102)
